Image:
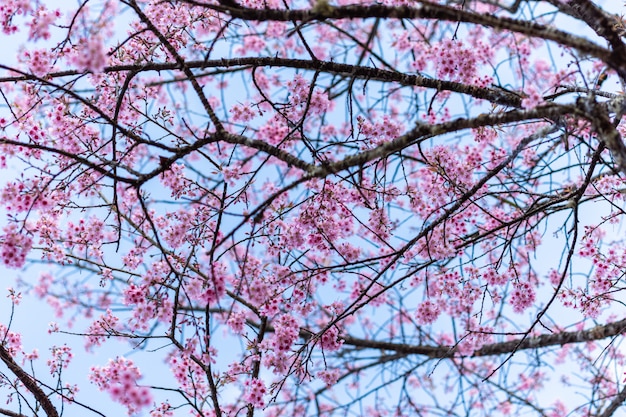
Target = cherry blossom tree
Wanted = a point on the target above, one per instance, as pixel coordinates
(331, 208)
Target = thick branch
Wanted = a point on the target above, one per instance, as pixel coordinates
(28, 382)
(597, 19)
(424, 131)
(353, 71)
(555, 339)
(79, 159)
(10, 413)
(607, 133)
(615, 404)
(423, 10)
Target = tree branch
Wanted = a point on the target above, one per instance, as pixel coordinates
(555, 339)
(355, 71)
(423, 10)
(615, 404)
(424, 131)
(10, 413)
(28, 382)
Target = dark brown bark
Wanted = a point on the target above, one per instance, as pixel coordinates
(28, 381)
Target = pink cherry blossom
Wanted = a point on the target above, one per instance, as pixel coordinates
(255, 392)
(119, 378)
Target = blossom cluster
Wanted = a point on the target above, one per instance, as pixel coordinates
(119, 378)
(255, 392)
(16, 245)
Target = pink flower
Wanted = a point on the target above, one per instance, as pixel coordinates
(329, 341)
(254, 392)
(61, 358)
(89, 54)
(41, 21)
(14, 246)
(427, 312)
(286, 330)
(522, 297)
(119, 378)
(329, 376)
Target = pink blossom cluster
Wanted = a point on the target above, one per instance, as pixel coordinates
(452, 60)
(251, 44)
(209, 289)
(609, 186)
(449, 174)
(89, 54)
(41, 21)
(324, 219)
(447, 292)
(9, 9)
(61, 358)
(523, 296)
(258, 290)
(329, 376)
(286, 331)
(236, 321)
(10, 340)
(162, 410)
(243, 112)
(144, 306)
(101, 328)
(119, 379)
(188, 374)
(330, 341)
(598, 290)
(493, 277)
(29, 194)
(39, 61)
(15, 246)
(278, 362)
(427, 312)
(302, 95)
(274, 131)
(175, 179)
(86, 233)
(532, 98)
(254, 392)
(379, 132)
(134, 256)
(16, 197)
(380, 225)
